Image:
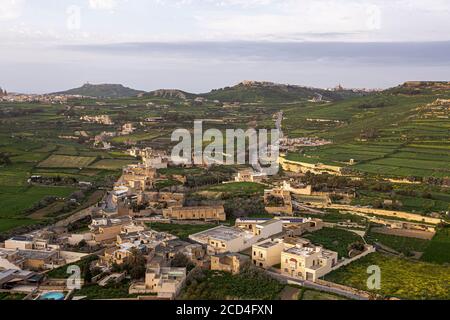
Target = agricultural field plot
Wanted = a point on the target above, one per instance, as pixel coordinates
(238, 187)
(17, 199)
(249, 285)
(62, 161)
(401, 278)
(111, 164)
(343, 153)
(137, 137)
(413, 164)
(396, 147)
(391, 171)
(31, 157)
(9, 224)
(311, 159)
(313, 295)
(418, 202)
(334, 239)
(403, 245)
(183, 231)
(15, 174)
(438, 250)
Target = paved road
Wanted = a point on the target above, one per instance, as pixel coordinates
(299, 206)
(316, 286)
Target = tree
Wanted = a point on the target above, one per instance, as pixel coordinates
(135, 265)
(5, 159)
(180, 260)
(88, 275)
(357, 246)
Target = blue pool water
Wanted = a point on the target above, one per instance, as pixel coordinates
(52, 296)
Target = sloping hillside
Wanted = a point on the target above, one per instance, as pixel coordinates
(103, 91)
(254, 91)
(170, 94)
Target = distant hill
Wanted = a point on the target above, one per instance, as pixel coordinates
(254, 91)
(103, 91)
(171, 94)
(420, 87)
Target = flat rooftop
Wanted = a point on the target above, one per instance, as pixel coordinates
(268, 244)
(196, 208)
(21, 238)
(305, 252)
(34, 254)
(267, 223)
(220, 233)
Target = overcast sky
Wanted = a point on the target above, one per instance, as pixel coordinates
(197, 45)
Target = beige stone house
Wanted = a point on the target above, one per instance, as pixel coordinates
(229, 262)
(166, 283)
(212, 213)
(278, 201)
(308, 262)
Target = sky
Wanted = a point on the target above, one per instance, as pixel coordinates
(199, 45)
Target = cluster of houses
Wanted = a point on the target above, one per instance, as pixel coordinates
(45, 98)
(219, 248)
(100, 119)
(294, 144)
(122, 226)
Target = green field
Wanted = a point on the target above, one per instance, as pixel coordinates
(61, 272)
(111, 291)
(438, 250)
(313, 295)
(12, 296)
(111, 164)
(17, 199)
(60, 161)
(136, 137)
(249, 285)
(401, 278)
(238, 188)
(9, 224)
(334, 239)
(400, 244)
(182, 231)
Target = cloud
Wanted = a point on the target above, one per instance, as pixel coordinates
(107, 5)
(11, 9)
(380, 53)
(290, 18)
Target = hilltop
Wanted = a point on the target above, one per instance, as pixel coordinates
(103, 91)
(255, 91)
(421, 87)
(171, 94)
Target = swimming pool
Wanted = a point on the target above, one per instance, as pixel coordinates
(52, 296)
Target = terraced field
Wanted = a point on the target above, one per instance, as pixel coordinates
(402, 143)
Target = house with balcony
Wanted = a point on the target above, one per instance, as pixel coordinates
(166, 283)
(307, 262)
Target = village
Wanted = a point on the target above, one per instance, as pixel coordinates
(119, 243)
